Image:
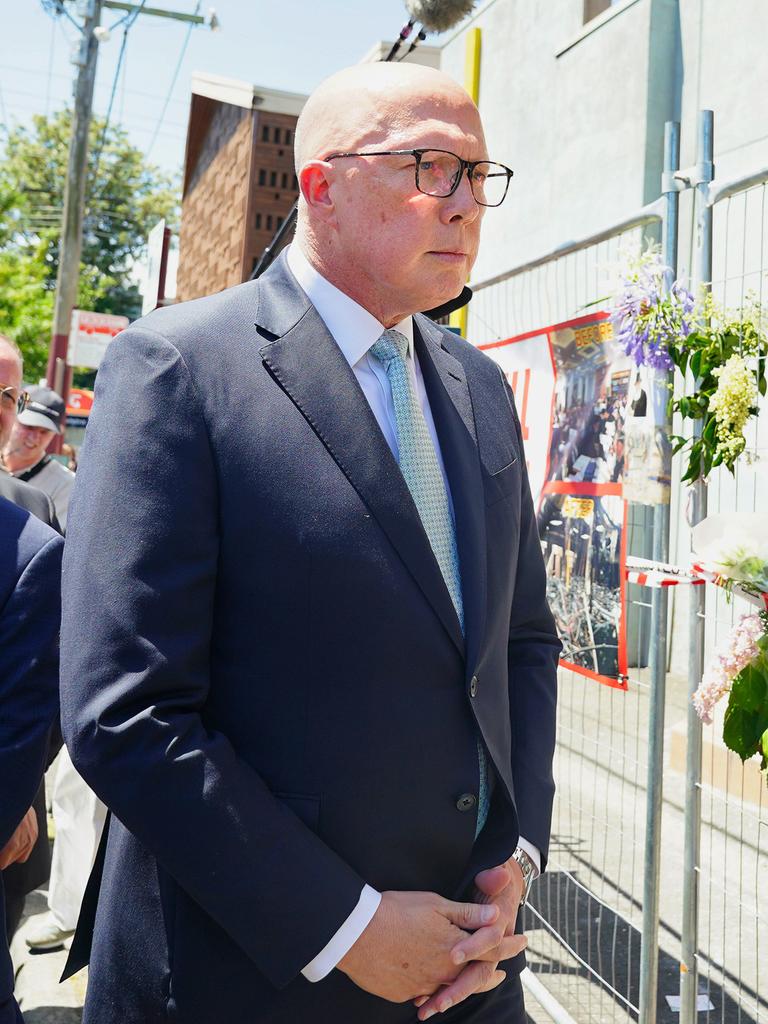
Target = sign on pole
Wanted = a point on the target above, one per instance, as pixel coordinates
(89, 336)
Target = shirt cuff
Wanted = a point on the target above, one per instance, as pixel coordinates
(345, 937)
(532, 852)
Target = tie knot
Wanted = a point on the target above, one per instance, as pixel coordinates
(391, 345)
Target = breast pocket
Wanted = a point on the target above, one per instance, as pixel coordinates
(503, 482)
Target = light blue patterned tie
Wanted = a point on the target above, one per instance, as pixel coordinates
(422, 474)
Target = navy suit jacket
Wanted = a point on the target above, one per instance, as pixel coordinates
(30, 567)
(263, 675)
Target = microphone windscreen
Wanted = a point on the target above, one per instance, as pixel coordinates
(439, 15)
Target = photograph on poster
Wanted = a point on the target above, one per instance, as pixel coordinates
(581, 539)
(587, 443)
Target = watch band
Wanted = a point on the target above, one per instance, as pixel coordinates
(529, 871)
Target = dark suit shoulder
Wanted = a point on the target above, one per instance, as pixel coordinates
(30, 498)
(204, 318)
(22, 537)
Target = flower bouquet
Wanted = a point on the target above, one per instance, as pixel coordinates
(725, 353)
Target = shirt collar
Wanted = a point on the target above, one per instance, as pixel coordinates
(352, 327)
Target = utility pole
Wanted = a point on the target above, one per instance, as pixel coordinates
(71, 243)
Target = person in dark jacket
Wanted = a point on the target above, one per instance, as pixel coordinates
(30, 610)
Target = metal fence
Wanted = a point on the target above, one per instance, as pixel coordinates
(587, 914)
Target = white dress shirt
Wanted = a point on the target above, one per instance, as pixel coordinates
(355, 330)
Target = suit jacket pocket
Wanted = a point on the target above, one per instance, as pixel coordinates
(306, 807)
(503, 482)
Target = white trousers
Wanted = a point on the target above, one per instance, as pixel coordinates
(79, 818)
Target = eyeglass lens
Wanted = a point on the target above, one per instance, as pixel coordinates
(437, 174)
(13, 400)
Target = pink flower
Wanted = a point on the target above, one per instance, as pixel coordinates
(734, 654)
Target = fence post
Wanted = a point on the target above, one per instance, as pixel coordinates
(698, 510)
(649, 950)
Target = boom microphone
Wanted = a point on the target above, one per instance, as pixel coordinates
(439, 15)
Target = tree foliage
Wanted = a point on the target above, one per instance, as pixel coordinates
(125, 197)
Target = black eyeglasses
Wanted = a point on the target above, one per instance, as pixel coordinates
(439, 172)
(12, 399)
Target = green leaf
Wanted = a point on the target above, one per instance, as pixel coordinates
(696, 363)
(685, 405)
(761, 386)
(741, 731)
(709, 430)
(750, 688)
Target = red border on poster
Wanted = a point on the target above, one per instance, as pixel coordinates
(581, 488)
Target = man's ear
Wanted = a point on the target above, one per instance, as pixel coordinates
(315, 180)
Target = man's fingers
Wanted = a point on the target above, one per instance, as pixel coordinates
(505, 949)
(488, 944)
(470, 916)
(477, 977)
(474, 946)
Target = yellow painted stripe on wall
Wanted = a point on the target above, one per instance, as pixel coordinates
(472, 54)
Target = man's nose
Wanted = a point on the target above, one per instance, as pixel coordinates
(461, 205)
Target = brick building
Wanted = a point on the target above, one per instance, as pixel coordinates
(239, 180)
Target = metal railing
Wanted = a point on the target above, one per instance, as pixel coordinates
(699, 849)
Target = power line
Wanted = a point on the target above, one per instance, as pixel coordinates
(173, 83)
(51, 51)
(101, 84)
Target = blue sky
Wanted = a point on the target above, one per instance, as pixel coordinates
(288, 44)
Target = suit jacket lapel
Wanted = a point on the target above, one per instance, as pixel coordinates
(451, 406)
(309, 366)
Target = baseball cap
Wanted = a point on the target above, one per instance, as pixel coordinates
(44, 409)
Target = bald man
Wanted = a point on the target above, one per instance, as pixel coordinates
(311, 668)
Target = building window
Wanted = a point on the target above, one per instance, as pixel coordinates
(262, 177)
(288, 135)
(265, 133)
(276, 136)
(279, 223)
(269, 222)
(273, 178)
(594, 7)
(284, 180)
(258, 222)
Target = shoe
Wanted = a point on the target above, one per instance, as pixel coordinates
(44, 934)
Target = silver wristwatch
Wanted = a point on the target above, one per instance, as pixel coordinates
(529, 869)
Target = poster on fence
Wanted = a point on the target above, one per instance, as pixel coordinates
(573, 387)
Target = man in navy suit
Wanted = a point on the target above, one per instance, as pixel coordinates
(30, 566)
(311, 667)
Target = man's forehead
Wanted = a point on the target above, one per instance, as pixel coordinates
(10, 370)
(426, 132)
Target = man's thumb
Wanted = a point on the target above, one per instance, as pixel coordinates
(492, 881)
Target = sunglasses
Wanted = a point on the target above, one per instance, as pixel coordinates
(12, 399)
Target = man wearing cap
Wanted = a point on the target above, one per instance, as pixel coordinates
(25, 454)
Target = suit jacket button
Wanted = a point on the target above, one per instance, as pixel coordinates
(473, 686)
(466, 802)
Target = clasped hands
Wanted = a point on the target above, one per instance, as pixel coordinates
(435, 952)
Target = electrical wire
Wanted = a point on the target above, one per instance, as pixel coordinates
(173, 82)
(113, 90)
(51, 52)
